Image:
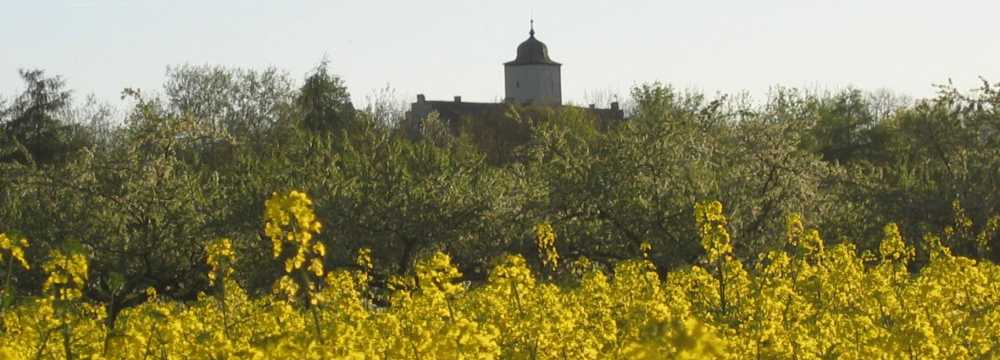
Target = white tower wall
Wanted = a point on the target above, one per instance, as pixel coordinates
(533, 83)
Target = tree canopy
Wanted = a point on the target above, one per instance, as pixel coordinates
(142, 198)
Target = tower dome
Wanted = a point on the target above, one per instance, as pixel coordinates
(532, 51)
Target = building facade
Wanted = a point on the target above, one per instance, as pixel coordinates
(531, 79)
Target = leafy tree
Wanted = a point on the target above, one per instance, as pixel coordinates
(947, 151)
(405, 198)
(845, 128)
(385, 108)
(324, 101)
(31, 130)
(608, 194)
(141, 209)
(242, 102)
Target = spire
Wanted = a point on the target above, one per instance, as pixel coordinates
(532, 32)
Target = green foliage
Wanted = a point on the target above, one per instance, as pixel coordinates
(142, 199)
(141, 208)
(245, 103)
(32, 127)
(324, 101)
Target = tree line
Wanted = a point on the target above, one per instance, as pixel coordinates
(141, 192)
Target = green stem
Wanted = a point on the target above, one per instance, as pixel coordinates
(42, 341)
(6, 281)
(722, 286)
(304, 277)
(224, 307)
(67, 336)
(149, 342)
(6, 294)
(451, 319)
(319, 330)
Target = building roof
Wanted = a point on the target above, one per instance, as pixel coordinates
(532, 52)
(453, 111)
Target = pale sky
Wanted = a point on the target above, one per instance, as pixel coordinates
(448, 48)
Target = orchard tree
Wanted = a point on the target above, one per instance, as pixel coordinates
(243, 102)
(324, 101)
(142, 210)
(31, 128)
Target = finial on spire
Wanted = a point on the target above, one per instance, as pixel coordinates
(532, 32)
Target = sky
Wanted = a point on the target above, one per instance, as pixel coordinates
(448, 48)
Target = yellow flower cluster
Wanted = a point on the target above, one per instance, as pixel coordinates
(810, 303)
(291, 225)
(545, 239)
(14, 249)
(893, 248)
(220, 259)
(806, 242)
(711, 224)
(67, 276)
(962, 230)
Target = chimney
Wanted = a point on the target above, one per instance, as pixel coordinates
(458, 99)
(614, 105)
(421, 98)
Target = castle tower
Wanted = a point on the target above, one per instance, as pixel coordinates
(533, 77)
